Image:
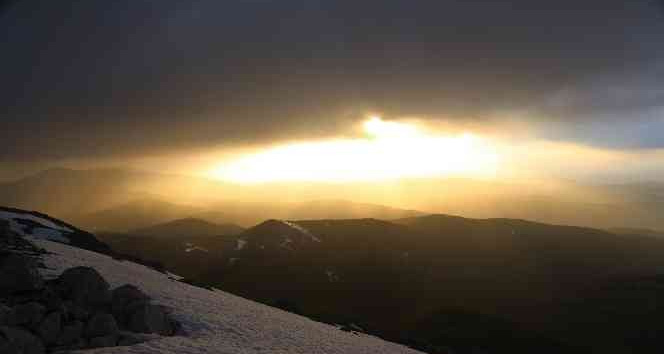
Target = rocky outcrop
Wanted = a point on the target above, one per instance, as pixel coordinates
(19, 274)
(149, 318)
(77, 310)
(29, 315)
(19, 340)
(85, 287)
(100, 325)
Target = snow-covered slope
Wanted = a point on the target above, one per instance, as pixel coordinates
(216, 322)
(46, 229)
(41, 226)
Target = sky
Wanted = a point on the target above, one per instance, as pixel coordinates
(186, 82)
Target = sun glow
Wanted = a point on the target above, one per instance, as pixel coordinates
(390, 150)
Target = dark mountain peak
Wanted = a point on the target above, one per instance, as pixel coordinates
(189, 227)
(282, 234)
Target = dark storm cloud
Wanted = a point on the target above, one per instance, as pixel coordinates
(87, 78)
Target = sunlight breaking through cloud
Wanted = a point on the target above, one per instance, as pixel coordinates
(392, 150)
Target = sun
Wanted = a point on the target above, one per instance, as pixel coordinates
(389, 150)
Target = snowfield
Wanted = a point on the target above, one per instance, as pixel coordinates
(215, 321)
(49, 231)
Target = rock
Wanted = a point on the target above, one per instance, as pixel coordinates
(21, 341)
(66, 349)
(6, 347)
(77, 312)
(4, 315)
(49, 329)
(149, 318)
(131, 338)
(105, 341)
(85, 287)
(122, 297)
(70, 334)
(101, 324)
(17, 274)
(30, 314)
(4, 228)
(51, 299)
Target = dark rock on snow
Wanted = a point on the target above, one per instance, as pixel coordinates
(18, 274)
(104, 341)
(149, 318)
(124, 299)
(75, 311)
(85, 286)
(101, 324)
(131, 338)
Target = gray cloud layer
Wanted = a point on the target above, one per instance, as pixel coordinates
(125, 77)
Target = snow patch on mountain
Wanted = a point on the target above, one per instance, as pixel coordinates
(190, 247)
(332, 277)
(48, 230)
(8, 215)
(241, 244)
(302, 230)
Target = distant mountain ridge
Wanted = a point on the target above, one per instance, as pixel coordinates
(189, 227)
(95, 198)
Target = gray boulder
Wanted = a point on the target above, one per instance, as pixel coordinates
(4, 228)
(50, 298)
(77, 312)
(101, 324)
(80, 343)
(70, 334)
(105, 341)
(49, 329)
(18, 274)
(84, 286)
(131, 338)
(30, 314)
(18, 340)
(6, 347)
(122, 298)
(149, 318)
(4, 315)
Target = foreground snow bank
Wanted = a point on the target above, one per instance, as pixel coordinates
(216, 322)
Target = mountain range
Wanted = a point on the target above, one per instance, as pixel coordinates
(121, 200)
(430, 281)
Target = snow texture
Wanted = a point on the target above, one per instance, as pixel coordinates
(215, 321)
